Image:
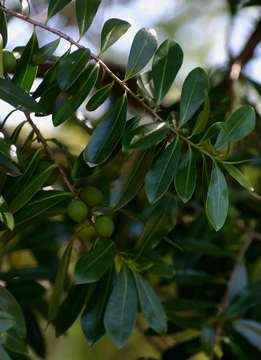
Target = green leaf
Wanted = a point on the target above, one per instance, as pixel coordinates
(85, 13)
(217, 199)
(3, 354)
(59, 283)
(6, 217)
(238, 281)
(71, 67)
(238, 176)
(133, 171)
(6, 321)
(17, 97)
(142, 49)
(251, 330)
(150, 305)
(13, 343)
(112, 30)
(202, 118)
(28, 191)
(193, 94)
(208, 335)
(26, 71)
(9, 305)
(79, 91)
(99, 97)
(243, 301)
(166, 64)
(3, 28)
(144, 136)
(93, 265)
(107, 134)
(186, 176)
(92, 317)
(237, 126)
(71, 306)
(160, 176)
(121, 310)
(161, 221)
(55, 6)
(40, 204)
(45, 52)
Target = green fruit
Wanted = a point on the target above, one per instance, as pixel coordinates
(91, 195)
(104, 226)
(9, 61)
(87, 233)
(77, 210)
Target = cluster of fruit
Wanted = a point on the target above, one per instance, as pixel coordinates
(79, 209)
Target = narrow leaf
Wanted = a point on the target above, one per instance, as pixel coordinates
(99, 97)
(121, 310)
(112, 30)
(166, 64)
(150, 305)
(59, 282)
(217, 199)
(186, 176)
(142, 49)
(237, 126)
(55, 6)
(6, 217)
(85, 13)
(238, 176)
(45, 52)
(92, 266)
(160, 176)
(107, 134)
(251, 330)
(192, 94)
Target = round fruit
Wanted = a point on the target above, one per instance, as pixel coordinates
(91, 195)
(9, 61)
(87, 233)
(77, 210)
(104, 226)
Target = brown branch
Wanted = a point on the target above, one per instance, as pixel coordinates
(48, 151)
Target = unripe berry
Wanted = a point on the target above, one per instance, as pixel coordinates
(9, 61)
(104, 226)
(77, 210)
(91, 196)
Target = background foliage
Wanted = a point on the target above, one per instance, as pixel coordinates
(142, 210)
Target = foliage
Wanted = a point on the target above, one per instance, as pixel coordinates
(129, 224)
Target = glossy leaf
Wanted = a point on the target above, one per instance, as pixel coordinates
(166, 64)
(59, 283)
(26, 71)
(217, 199)
(112, 30)
(55, 6)
(142, 49)
(107, 134)
(17, 97)
(85, 13)
(144, 136)
(45, 52)
(202, 118)
(150, 305)
(133, 171)
(238, 176)
(251, 330)
(236, 127)
(99, 97)
(79, 91)
(192, 94)
(186, 176)
(93, 265)
(71, 67)
(41, 204)
(160, 176)
(6, 217)
(28, 191)
(121, 310)
(92, 317)
(9, 305)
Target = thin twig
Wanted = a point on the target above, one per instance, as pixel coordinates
(48, 151)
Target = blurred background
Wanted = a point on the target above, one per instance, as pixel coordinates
(209, 36)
